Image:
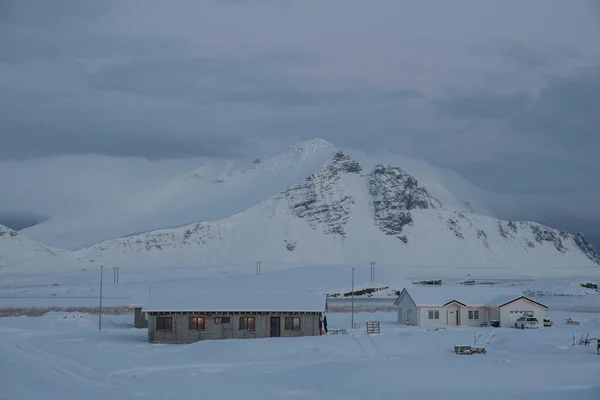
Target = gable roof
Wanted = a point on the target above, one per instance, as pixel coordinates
(466, 295)
(503, 300)
(233, 301)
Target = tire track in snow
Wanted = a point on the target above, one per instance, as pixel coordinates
(361, 347)
(376, 347)
(77, 370)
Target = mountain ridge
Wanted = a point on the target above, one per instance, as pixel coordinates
(340, 213)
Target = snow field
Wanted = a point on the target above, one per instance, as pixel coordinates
(63, 356)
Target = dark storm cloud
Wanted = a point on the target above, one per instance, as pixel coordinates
(482, 105)
(178, 79)
(515, 52)
(214, 80)
(38, 140)
(565, 112)
(563, 115)
(19, 220)
(403, 94)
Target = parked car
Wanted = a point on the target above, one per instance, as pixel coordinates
(547, 322)
(526, 322)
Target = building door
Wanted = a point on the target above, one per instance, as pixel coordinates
(226, 328)
(453, 315)
(275, 327)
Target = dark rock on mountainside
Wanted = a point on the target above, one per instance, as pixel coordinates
(319, 202)
(395, 193)
(483, 237)
(586, 247)
(545, 234)
(455, 227)
(7, 232)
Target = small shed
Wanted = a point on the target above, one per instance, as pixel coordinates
(189, 317)
(140, 320)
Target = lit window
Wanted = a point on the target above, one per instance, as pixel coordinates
(196, 323)
(222, 320)
(292, 323)
(247, 324)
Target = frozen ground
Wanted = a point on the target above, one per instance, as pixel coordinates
(63, 356)
(81, 288)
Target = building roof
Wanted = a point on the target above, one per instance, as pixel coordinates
(466, 295)
(233, 301)
(502, 300)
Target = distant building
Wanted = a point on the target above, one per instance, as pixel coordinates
(467, 307)
(188, 318)
(140, 320)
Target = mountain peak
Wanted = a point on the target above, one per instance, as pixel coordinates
(310, 147)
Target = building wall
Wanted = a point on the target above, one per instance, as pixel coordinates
(484, 316)
(180, 333)
(424, 316)
(448, 315)
(507, 319)
(407, 310)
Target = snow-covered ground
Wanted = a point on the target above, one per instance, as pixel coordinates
(64, 356)
(82, 288)
(61, 355)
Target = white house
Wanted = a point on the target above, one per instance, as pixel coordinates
(464, 306)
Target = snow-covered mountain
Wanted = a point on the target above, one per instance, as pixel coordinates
(345, 211)
(345, 214)
(213, 191)
(18, 253)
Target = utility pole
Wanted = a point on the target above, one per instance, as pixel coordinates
(352, 299)
(100, 315)
(372, 271)
(258, 268)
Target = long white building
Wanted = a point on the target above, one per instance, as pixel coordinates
(422, 306)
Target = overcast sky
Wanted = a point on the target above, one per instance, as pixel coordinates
(505, 92)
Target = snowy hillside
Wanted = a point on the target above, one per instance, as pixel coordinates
(18, 252)
(345, 214)
(213, 191)
(311, 204)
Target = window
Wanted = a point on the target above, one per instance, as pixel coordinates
(164, 323)
(247, 324)
(292, 323)
(434, 314)
(473, 314)
(196, 323)
(222, 320)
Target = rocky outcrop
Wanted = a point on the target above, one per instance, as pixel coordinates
(196, 234)
(320, 201)
(586, 248)
(455, 227)
(544, 234)
(7, 232)
(483, 237)
(395, 193)
(508, 230)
